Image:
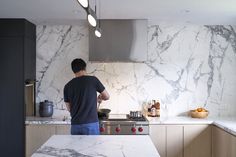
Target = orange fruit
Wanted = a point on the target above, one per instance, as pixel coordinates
(199, 109)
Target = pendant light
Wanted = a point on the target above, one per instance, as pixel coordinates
(83, 3)
(98, 31)
(92, 18)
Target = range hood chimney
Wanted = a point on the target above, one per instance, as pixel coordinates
(121, 41)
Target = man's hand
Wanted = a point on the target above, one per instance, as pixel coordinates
(68, 106)
(99, 99)
(104, 95)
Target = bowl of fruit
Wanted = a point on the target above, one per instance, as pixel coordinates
(199, 113)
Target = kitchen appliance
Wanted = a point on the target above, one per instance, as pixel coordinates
(103, 113)
(45, 108)
(135, 114)
(123, 40)
(124, 124)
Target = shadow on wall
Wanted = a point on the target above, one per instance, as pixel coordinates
(184, 114)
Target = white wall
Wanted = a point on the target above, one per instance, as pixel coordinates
(188, 66)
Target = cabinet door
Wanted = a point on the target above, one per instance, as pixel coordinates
(175, 141)
(224, 144)
(158, 136)
(36, 135)
(232, 146)
(63, 130)
(12, 97)
(220, 142)
(197, 141)
(29, 59)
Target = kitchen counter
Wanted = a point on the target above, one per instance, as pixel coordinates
(46, 120)
(181, 120)
(98, 145)
(227, 124)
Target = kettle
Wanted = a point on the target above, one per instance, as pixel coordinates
(46, 108)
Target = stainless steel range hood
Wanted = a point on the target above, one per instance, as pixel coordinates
(121, 41)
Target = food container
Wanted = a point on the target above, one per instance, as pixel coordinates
(135, 114)
(45, 108)
(196, 114)
(103, 113)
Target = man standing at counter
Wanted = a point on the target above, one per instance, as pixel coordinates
(80, 96)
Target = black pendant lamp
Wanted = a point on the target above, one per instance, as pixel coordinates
(83, 3)
(92, 18)
(98, 32)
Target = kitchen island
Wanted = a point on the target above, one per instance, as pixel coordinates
(98, 146)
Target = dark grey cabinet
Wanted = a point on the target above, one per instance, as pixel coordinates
(29, 59)
(17, 64)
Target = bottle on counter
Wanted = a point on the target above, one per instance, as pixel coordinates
(153, 112)
(154, 109)
(158, 106)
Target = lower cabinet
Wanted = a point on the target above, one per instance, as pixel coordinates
(36, 135)
(223, 143)
(158, 136)
(174, 141)
(62, 129)
(197, 140)
(182, 140)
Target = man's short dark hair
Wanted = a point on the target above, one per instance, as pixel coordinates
(77, 65)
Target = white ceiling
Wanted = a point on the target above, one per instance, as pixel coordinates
(168, 11)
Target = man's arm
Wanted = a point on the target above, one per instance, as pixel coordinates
(103, 96)
(68, 106)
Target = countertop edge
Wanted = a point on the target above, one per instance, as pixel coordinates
(230, 128)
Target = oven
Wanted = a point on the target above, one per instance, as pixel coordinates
(124, 126)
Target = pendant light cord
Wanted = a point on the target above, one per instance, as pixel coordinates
(97, 13)
(99, 5)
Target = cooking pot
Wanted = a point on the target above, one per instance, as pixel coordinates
(45, 108)
(103, 113)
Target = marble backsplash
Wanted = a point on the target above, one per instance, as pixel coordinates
(188, 66)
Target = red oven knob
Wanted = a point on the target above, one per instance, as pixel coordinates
(140, 129)
(133, 129)
(118, 129)
(102, 129)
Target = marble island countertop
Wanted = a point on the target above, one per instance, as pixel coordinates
(98, 146)
(228, 124)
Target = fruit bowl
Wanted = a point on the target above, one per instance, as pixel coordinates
(199, 113)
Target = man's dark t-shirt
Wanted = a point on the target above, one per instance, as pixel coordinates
(81, 93)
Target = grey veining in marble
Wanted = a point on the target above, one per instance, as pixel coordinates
(60, 152)
(98, 146)
(46, 120)
(188, 66)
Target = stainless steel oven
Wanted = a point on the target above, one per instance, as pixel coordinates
(125, 126)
